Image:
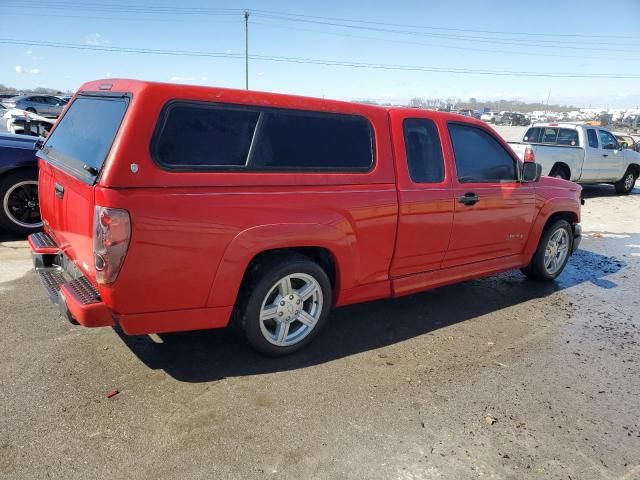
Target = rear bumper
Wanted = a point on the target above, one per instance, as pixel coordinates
(74, 294)
(577, 237)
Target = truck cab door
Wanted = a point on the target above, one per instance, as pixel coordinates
(425, 197)
(611, 165)
(493, 209)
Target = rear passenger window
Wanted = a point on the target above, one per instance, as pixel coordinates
(312, 141)
(424, 153)
(567, 137)
(532, 135)
(592, 137)
(479, 156)
(196, 136)
(549, 135)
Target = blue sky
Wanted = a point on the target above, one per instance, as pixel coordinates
(584, 37)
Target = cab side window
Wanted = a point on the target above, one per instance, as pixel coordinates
(424, 152)
(607, 140)
(592, 138)
(479, 156)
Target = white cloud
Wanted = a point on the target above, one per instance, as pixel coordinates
(29, 71)
(260, 74)
(108, 74)
(228, 50)
(95, 39)
(29, 52)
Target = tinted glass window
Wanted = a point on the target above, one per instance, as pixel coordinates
(195, 136)
(303, 140)
(606, 139)
(593, 138)
(85, 134)
(549, 135)
(533, 135)
(479, 156)
(567, 137)
(424, 153)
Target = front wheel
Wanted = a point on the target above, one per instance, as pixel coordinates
(286, 305)
(552, 253)
(626, 183)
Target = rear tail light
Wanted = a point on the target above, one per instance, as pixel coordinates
(111, 235)
(529, 156)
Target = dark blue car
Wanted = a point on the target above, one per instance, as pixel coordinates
(19, 207)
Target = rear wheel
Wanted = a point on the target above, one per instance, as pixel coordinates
(20, 208)
(626, 183)
(552, 253)
(286, 305)
(30, 109)
(560, 171)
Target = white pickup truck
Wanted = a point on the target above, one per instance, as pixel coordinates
(581, 153)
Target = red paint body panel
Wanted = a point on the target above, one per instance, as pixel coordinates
(193, 234)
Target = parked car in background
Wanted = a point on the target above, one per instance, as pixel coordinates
(465, 112)
(489, 117)
(512, 118)
(581, 153)
(45, 105)
(25, 123)
(274, 208)
(19, 205)
(627, 141)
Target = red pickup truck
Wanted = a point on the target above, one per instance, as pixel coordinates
(169, 207)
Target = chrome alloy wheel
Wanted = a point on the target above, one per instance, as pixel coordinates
(291, 309)
(629, 180)
(556, 251)
(20, 204)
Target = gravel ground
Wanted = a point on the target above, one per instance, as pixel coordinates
(395, 389)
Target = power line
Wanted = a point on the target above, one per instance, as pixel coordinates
(435, 45)
(124, 18)
(493, 40)
(313, 61)
(313, 18)
(426, 27)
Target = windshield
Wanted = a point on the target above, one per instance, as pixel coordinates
(81, 142)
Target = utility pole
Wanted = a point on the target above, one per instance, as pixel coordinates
(548, 96)
(246, 49)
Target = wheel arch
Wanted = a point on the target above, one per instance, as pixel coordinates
(550, 213)
(332, 249)
(561, 166)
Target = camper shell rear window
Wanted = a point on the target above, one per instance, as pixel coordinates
(82, 140)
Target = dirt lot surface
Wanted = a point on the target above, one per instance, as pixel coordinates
(397, 389)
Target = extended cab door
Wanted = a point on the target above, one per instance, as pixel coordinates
(611, 165)
(493, 210)
(425, 197)
(592, 156)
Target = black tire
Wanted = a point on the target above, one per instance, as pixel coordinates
(559, 171)
(627, 182)
(30, 109)
(537, 269)
(261, 285)
(11, 190)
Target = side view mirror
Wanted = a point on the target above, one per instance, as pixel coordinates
(623, 145)
(531, 172)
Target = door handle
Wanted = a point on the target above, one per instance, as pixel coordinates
(469, 199)
(605, 155)
(59, 189)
